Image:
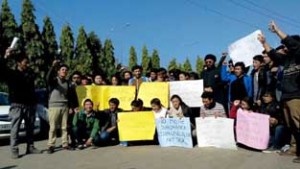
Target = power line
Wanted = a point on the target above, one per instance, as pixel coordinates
(222, 14)
(272, 11)
(263, 14)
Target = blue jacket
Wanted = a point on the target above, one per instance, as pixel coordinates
(228, 77)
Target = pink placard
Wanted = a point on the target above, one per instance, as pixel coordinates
(252, 129)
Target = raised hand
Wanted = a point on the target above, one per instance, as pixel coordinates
(273, 27)
(261, 38)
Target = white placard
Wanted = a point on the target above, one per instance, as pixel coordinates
(243, 50)
(190, 91)
(215, 132)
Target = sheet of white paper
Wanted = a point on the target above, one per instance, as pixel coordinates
(215, 132)
(190, 91)
(243, 50)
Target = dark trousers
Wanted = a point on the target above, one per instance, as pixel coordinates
(17, 113)
(81, 133)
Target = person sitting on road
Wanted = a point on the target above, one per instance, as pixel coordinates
(158, 109)
(211, 108)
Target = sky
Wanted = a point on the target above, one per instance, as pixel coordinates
(176, 28)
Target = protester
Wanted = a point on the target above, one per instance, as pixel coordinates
(290, 58)
(86, 126)
(63, 99)
(126, 76)
(240, 83)
(20, 82)
(153, 75)
(137, 79)
(162, 75)
(258, 80)
(183, 76)
(115, 80)
(158, 109)
(244, 104)
(76, 78)
(211, 108)
(109, 120)
(271, 107)
(99, 79)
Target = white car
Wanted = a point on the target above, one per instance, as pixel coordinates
(5, 124)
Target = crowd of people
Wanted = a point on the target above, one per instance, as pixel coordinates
(272, 87)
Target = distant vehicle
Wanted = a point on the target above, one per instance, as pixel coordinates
(5, 120)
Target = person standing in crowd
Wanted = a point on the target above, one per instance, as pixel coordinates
(76, 78)
(240, 84)
(258, 80)
(86, 126)
(22, 98)
(108, 121)
(115, 80)
(63, 99)
(137, 79)
(290, 81)
(161, 75)
(272, 70)
(153, 75)
(211, 78)
(159, 110)
(183, 76)
(211, 108)
(126, 76)
(99, 79)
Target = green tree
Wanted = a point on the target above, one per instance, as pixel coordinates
(95, 47)
(83, 54)
(173, 64)
(49, 41)
(155, 59)
(145, 60)
(8, 27)
(67, 46)
(132, 58)
(108, 61)
(33, 44)
(187, 67)
(199, 64)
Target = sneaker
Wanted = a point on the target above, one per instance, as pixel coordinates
(296, 160)
(50, 150)
(33, 150)
(285, 148)
(80, 147)
(270, 150)
(15, 154)
(124, 143)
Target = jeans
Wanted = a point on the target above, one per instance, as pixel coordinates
(277, 135)
(17, 113)
(82, 133)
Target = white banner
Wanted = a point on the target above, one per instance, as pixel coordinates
(245, 49)
(190, 91)
(215, 132)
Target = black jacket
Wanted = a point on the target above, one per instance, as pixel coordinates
(20, 84)
(291, 71)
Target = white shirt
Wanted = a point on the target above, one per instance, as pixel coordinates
(161, 113)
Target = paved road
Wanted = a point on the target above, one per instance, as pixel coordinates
(145, 157)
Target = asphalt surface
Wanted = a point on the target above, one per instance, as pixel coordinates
(144, 157)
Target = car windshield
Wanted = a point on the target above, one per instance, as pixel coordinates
(4, 99)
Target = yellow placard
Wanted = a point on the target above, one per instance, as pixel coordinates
(125, 94)
(85, 92)
(151, 90)
(134, 126)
